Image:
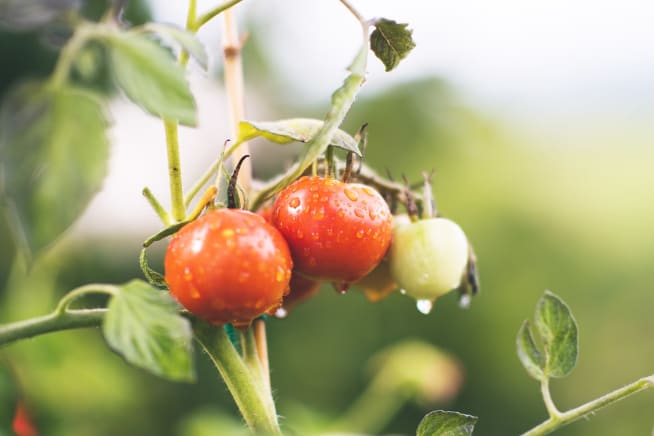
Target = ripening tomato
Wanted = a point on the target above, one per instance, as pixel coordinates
(336, 231)
(428, 257)
(228, 266)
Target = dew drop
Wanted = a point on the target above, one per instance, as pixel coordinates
(341, 213)
(294, 202)
(372, 214)
(359, 213)
(300, 234)
(318, 214)
(359, 234)
(403, 291)
(464, 301)
(352, 195)
(315, 236)
(281, 313)
(195, 294)
(313, 188)
(424, 306)
(341, 288)
(227, 233)
(368, 191)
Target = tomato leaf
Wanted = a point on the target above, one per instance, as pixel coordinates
(528, 353)
(150, 77)
(53, 156)
(444, 423)
(558, 330)
(296, 129)
(187, 40)
(391, 42)
(144, 326)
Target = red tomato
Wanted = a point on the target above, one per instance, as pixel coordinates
(228, 266)
(336, 231)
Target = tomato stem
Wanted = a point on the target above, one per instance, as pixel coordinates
(62, 318)
(564, 418)
(252, 398)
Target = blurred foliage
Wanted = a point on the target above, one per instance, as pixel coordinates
(541, 215)
(31, 51)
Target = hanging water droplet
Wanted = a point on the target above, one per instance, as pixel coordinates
(281, 313)
(464, 301)
(424, 306)
(403, 291)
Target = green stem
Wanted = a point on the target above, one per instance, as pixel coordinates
(249, 394)
(565, 418)
(174, 171)
(62, 318)
(69, 53)
(552, 411)
(207, 16)
(372, 410)
(71, 319)
(158, 208)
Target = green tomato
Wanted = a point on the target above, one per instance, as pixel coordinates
(428, 257)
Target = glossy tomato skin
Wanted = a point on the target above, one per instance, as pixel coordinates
(336, 231)
(228, 266)
(428, 257)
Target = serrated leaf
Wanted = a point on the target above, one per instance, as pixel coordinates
(444, 423)
(528, 353)
(391, 42)
(558, 330)
(144, 326)
(295, 129)
(151, 78)
(53, 156)
(187, 40)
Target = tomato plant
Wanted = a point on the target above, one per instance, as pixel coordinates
(331, 220)
(228, 266)
(336, 231)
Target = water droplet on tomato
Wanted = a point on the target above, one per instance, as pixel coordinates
(359, 234)
(281, 313)
(300, 234)
(318, 214)
(359, 213)
(342, 287)
(352, 195)
(424, 306)
(368, 190)
(294, 202)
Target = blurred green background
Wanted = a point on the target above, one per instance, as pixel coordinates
(559, 204)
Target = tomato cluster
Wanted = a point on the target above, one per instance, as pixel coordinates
(232, 266)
